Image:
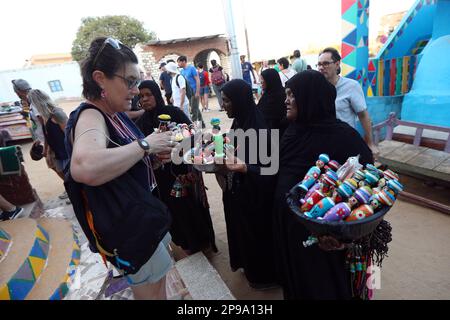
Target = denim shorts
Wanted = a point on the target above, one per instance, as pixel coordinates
(156, 267)
(204, 90)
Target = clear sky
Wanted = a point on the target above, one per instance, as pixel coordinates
(275, 28)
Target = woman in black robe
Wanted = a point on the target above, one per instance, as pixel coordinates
(192, 227)
(272, 103)
(248, 195)
(316, 272)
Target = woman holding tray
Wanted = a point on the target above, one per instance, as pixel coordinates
(181, 187)
(247, 194)
(315, 272)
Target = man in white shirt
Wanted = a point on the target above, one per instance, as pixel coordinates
(179, 98)
(285, 72)
(350, 100)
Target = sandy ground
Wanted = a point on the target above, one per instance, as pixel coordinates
(418, 266)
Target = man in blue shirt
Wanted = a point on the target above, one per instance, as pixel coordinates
(191, 75)
(246, 69)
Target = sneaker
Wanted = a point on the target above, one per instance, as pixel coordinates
(10, 215)
(63, 195)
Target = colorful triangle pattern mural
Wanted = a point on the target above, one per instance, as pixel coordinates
(24, 279)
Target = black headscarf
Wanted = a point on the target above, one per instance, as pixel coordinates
(316, 129)
(246, 115)
(272, 101)
(149, 120)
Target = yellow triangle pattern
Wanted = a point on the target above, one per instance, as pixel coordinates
(4, 293)
(40, 235)
(37, 265)
(346, 69)
(369, 92)
(347, 27)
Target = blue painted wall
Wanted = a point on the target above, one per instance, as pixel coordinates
(407, 34)
(379, 109)
(429, 99)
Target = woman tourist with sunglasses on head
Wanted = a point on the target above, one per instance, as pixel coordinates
(106, 151)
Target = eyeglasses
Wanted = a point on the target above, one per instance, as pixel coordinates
(112, 42)
(324, 64)
(130, 83)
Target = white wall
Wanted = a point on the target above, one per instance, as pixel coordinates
(39, 76)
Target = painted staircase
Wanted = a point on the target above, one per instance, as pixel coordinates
(37, 258)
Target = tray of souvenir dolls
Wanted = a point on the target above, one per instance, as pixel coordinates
(203, 159)
(341, 230)
(346, 202)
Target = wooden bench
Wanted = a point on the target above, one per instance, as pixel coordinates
(413, 159)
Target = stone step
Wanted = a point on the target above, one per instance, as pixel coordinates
(63, 258)
(26, 259)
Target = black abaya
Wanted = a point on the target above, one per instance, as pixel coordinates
(311, 273)
(248, 198)
(192, 227)
(272, 103)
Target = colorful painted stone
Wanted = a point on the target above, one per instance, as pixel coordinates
(310, 178)
(315, 197)
(320, 208)
(338, 212)
(360, 213)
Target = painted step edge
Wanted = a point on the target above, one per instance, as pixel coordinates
(21, 283)
(5, 244)
(69, 278)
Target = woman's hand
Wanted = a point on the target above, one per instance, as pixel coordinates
(164, 157)
(234, 164)
(160, 142)
(329, 243)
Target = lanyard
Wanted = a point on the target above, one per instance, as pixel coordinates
(130, 136)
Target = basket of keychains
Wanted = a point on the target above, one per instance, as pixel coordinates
(349, 203)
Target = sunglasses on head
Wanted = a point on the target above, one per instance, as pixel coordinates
(112, 42)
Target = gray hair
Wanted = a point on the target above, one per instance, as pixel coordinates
(42, 102)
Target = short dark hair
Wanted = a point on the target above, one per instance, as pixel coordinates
(297, 53)
(213, 62)
(170, 60)
(109, 61)
(284, 62)
(334, 53)
(182, 58)
(200, 65)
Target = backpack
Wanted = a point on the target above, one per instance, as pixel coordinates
(189, 91)
(121, 220)
(217, 77)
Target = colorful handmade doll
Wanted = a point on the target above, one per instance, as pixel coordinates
(320, 208)
(312, 200)
(333, 165)
(164, 120)
(343, 210)
(313, 174)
